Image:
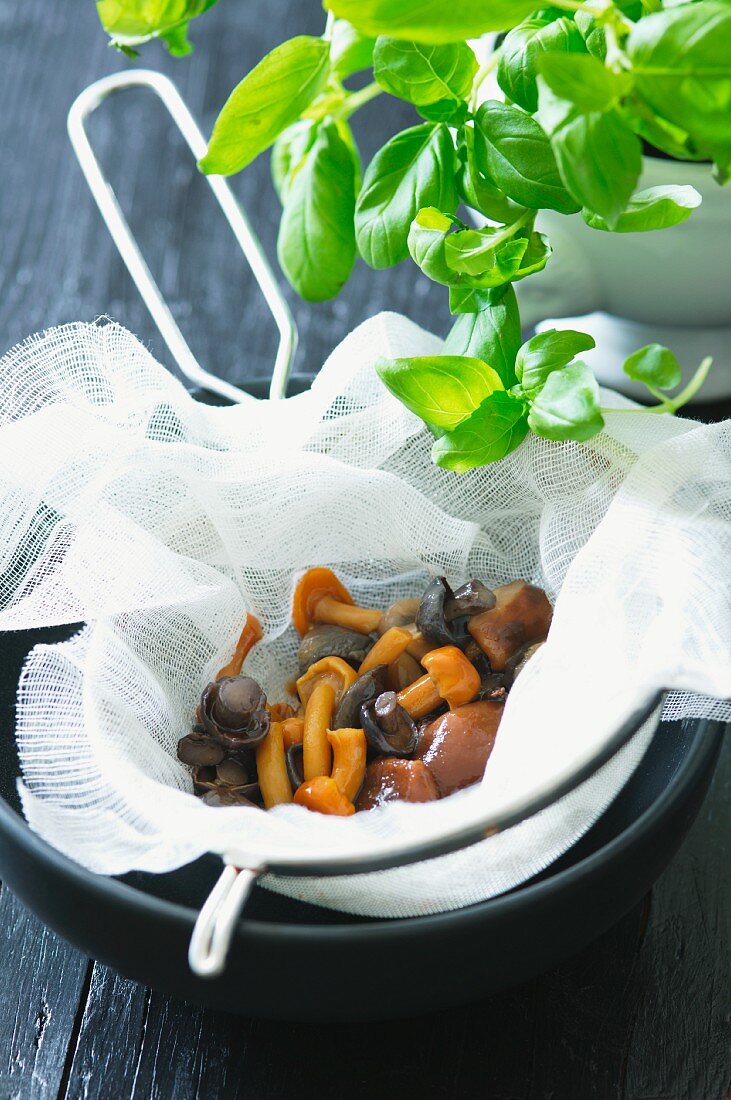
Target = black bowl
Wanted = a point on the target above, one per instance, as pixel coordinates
(295, 961)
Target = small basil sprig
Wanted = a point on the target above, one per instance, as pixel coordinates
(132, 23)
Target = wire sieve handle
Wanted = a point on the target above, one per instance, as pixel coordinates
(215, 924)
(83, 106)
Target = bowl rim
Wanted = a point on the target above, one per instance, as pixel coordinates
(706, 740)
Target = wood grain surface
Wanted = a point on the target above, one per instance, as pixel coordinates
(643, 1013)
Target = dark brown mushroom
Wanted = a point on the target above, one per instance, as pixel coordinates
(368, 686)
(470, 599)
(516, 664)
(401, 613)
(455, 748)
(233, 712)
(430, 618)
(228, 782)
(295, 765)
(388, 728)
(332, 641)
(199, 748)
(522, 614)
(388, 779)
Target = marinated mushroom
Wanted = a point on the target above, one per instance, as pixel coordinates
(349, 760)
(468, 600)
(403, 671)
(388, 727)
(430, 617)
(517, 663)
(228, 785)
(401, 613)
(455, 747)
(332, 641)
(330, 670)
(321, 598)
(388, 648)
(323, 795)
(365, 688)
(199, 748)
(293, 731)
(389, 779)
(250, 635)
(450, 677)
(233, 712)
(295, 766)
(271, 768)
(522, 614)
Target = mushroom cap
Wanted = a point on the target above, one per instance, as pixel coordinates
(522, 614)
(457, 680)
(390, 779)
(331, 670)
(324, 640)
(400, 613)
(455, 747)
(368, 686)
(310, 589)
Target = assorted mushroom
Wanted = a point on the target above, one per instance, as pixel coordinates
(403, 704)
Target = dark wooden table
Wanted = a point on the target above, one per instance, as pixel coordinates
(640, 1014)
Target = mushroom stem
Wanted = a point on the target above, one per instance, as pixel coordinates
(293, 731)
(420, 698)
(318, 716)
(321, 793)
(388, 648)
(335, 613)
(271, 767)
(250, 635)
(349, 760)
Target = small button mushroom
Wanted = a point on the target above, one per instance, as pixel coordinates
(430, 618)
(250, 635)
(468, 600)
(455, 747)
(321, 689)
(321, 598)
(401, 613)
(222, 786)
(332, 641)
(522, 614)
(349, 760)
(233, 712)
(450, 676)
(199, 748)
(365, 688)
(388, 727)
(389, 779)
(322, 794)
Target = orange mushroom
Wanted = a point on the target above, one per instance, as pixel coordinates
(522, 614)
(349, 760)
(403, 671)
(316, 755)
(324, 795)
(450, 676)
(271, 768)
(293, 731)
(250, 635)
(321, 598)
(332, 670)
(388, 648)
(280, 712)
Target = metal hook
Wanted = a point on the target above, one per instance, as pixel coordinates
(84, 105)
(215, 923)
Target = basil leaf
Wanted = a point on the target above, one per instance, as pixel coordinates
(512, 149)
(270, 98)
(426, 241)
(288, 153)
(316, 242)
(524, 46)
(423, 74)
(535, 257)
(472, 252)
(583, 81)
(567, 407)
(431, 20)
(492, 335)
(655, 366)
(654, 208)
(466, 299)
(598, 155)
(412, 170)
(593, 34)
(441, 389)
(350, 51)
(493, 430)
(451, 111)
(546, 352)
(682, 63)
(135, 22)
(476, 189)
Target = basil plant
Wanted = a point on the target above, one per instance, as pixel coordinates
(583, 85)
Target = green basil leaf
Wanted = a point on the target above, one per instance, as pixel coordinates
(493, 430)
(413, 170)
(441, 389)
(654, 208)
(524, 46)
(426, 240)
(424, 74)
(593, 34)
(465, 299)
(316, 242)
(663, 135)
(582, 80)
(655, 366)
(132, 23)
(451, 111)
(535, 257)
(476, 189)
(288, 153)
(492, 335)
(350, 51)
(474, 252)
(546, 352)
(513, 150)
(682, 63)
(598, 155)
(567, 407)
(266, 102)
(431, 20)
